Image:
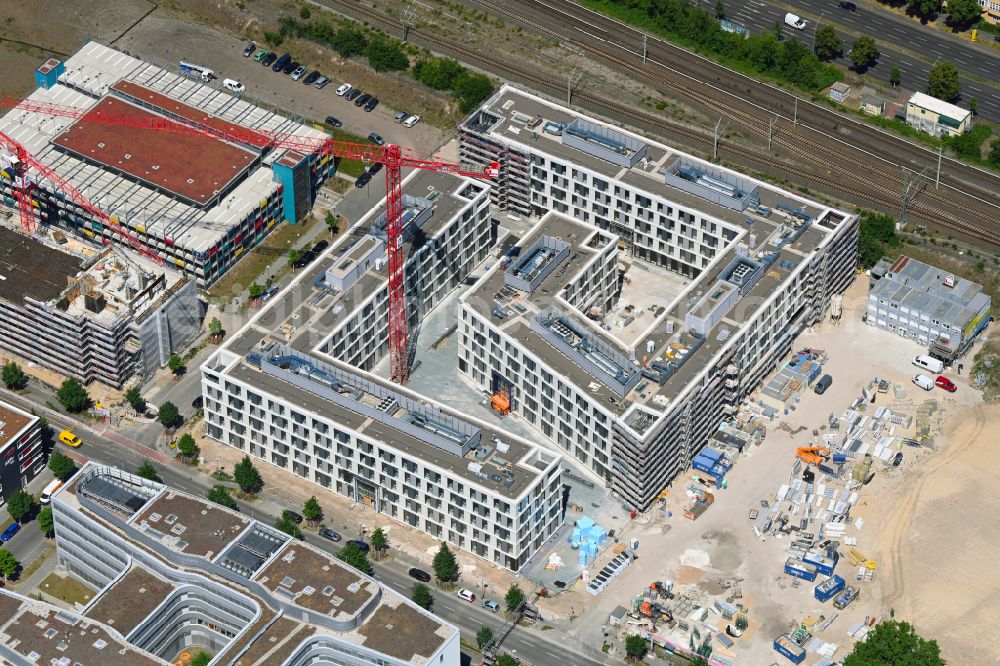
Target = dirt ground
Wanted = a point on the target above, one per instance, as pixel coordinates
(925, 506)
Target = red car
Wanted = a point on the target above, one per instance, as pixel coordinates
(946, 384)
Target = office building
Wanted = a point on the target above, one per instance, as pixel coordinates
(173, 575)
(634, 395)
(22, 455)
(109, 317)
(290, 389)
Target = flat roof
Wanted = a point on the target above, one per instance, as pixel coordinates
(195, 167)
(30, 268)
(311, 579)
(12, 421)
(200, 528)
(130, 599)
(939, 106)
(401, 634)
(45, 634)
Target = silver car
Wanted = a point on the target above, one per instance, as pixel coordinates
(297, 74)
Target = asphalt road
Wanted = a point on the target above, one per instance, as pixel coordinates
(894, 35)
(526, 643)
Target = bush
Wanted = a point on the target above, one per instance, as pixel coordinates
(438, 73)
(969, 145)
(348, 42)
(876, 235)
(386, 55)
(220, 495)
(471, 89)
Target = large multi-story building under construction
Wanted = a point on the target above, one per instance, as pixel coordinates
(635, 394)
(198, 200)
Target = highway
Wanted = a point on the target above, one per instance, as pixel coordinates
(903, 44)
(529, 644)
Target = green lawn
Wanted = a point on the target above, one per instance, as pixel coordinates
(67, 589)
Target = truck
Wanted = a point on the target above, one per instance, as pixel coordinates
(828, 588)
(825, 564)
(799, 569)
(204, 73)
(844, 599)
(785, 646)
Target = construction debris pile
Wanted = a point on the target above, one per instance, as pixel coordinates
(782, 390)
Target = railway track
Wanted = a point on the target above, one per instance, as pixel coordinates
(884, 194)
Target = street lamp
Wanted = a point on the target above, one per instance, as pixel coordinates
(816, 27)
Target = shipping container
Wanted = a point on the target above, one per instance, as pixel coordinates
(786, 647)
(829, 587)
(799, 569)
(824, 564)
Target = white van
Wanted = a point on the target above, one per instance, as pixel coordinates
(795, 21)
(50, 490)
(233, 85)
(929, 363)
(411, 121)
(924, 382)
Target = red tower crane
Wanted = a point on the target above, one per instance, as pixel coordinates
(393, 157)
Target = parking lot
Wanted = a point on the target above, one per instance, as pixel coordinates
(169, 41)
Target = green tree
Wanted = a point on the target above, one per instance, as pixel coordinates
(776, 30)
(514, 598)
(312, 511)
(828, 43)
(894, 77)
(8, 564)
(304, 12)
(147, 471)
(247, 476)
(220, 495)
(45, 522)
(13, 375)
(893, 643)
(134, 397)
(963, 12)
(720, 9)
(355, 557)
(864, 52)
(471, 89)
(331, 222)
(349, 42)
(973, 106)
(924, 8)
(288, 526)
(176, 365)
(994, 157)
(483, 637)
(169, 415)
(942, 81)
(293, 256)
(438, 73)
(73, 396)
(386, 55)
(445, 565)
(255, 290)
(19, 505)
(876, 236)
(187, 447)
(215, 328)
(421, 596)
(379, 542)
(635, 647)
(508, 660)
(61, 466)
(201, 659)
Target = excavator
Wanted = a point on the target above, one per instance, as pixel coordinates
(817, 455)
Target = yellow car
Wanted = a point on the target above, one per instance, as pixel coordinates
(69, 439)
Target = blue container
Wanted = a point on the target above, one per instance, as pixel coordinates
(828, 588)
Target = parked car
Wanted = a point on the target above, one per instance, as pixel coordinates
(352, 94)
(69, 439)
(362, 546)
(363, 180)
(322, 82)
(371, 104)
(282, 62)
(420, 574)
(823, 384)
(329, 534)
(400, 117)
(468, 595)
(233, 85)
(248, 51)
(333, 122)
(9, 533)
(374, 169)
(304, 259)
(361, 101)
(491, 606)
(298, 73)
(849, 6)
(269, 59)
(292, 516)
(343, 89)
(897, 460)
(260, 55)
(320, 246)
(311, 79)
(411, 121)
(376, 139)
(269, 292)
(945, 383)
(290, 67)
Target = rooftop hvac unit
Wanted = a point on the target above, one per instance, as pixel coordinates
(475, 468)
(502, 447)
